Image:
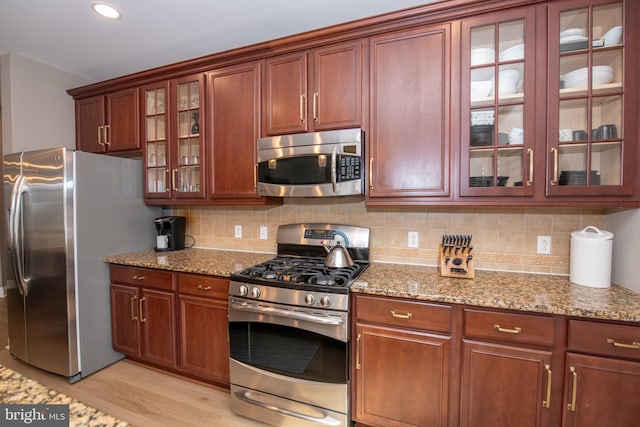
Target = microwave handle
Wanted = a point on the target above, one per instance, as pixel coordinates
(334, 178)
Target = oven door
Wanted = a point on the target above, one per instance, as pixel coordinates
(283, 367)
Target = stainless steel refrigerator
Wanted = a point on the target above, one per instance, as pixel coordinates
(65, 211)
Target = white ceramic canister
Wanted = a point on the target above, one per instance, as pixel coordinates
(590, 257)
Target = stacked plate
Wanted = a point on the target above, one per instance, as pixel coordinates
(482, 55)
(481, 135)
(600, 75)
(578, 178)
(487, 181)
(512, 53)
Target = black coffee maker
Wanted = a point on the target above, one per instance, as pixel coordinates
(171, 231)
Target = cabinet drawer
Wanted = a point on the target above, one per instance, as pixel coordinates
(144, 277)
(604, 339)
(405, 314)
(509, 327)
(205, 286)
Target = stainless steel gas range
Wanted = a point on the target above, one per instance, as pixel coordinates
(289, 328)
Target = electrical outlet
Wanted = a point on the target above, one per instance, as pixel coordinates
(238, 232)
(412, 239)
(544, 245)
(263, 232)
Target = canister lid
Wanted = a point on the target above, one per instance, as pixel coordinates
(592, 233)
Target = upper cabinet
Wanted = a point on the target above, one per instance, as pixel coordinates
(108, 123)
(592, 102)
(233, 100)
(313, 90)
(173, 139)
(498, 89)
(408, 141)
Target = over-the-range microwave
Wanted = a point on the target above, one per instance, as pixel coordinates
(315, 164)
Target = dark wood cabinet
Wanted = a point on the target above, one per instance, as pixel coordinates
(108, 123)
(204, 343)
(401, 370)
(233, 100)
(602, 375)
(313, 90)
(143, 314)
(409, 138)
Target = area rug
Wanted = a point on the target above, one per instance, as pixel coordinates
(16, 389)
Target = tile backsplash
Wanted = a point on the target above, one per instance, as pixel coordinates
(503, 238)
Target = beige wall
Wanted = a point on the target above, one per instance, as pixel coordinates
(504, 239)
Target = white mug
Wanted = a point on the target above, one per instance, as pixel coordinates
(566, 135)
(162, 242)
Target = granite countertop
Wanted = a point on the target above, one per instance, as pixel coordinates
(515, 291)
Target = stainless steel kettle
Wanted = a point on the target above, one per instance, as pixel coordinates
(337, 256)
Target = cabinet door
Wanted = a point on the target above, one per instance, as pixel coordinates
(157, 320)
(156, 146)
(504, 386)
(204, 347)
(409, 142)
(601, 392)
(122, 130)
(124, 319)
(336, 95)
(187, 137)
(592, 131)
(498, 88)
(285, 94)
(402, 377)
(233, 95)
(89, 121)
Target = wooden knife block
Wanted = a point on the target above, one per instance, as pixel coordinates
(455, 263)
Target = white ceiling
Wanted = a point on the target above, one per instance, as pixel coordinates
(68, 35)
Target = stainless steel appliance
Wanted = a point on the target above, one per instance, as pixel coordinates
(317, 164)
(171, 233)
(289, 329)
(65, 211)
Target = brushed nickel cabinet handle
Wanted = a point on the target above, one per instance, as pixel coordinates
(166, 176)
(100, 136)
(406, 315)
(632, 346)
(204, 288)
(371, 173)
(358, 339)
(515, 330)
(133, 308)
(106, 134)
(173, 179)
(315, 106)
(142, 318)
(302, 103)
(530, 180)
(547, 402)
(138, 277)
(574, 385)
(554, 181)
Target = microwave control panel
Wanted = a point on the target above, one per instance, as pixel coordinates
(349, 168)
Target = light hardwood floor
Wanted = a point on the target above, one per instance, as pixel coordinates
(137, 394)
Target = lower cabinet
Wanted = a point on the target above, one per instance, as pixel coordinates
(602, 388)
(402, 363)
(143, 314)
(204, 342)
(176, 321)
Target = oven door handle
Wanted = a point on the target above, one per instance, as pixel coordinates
(243, 306)
(326, 420)
(334, 172)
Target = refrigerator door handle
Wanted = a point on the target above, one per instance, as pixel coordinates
(15, 235)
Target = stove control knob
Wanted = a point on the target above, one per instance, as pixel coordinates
(243, 290)
(325, 301)
(309, 299)
(255, 292)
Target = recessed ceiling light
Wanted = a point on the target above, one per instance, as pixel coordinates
(106, 10)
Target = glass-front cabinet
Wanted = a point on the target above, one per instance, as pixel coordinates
(173, 139)
(498, 96)
(591, 138)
